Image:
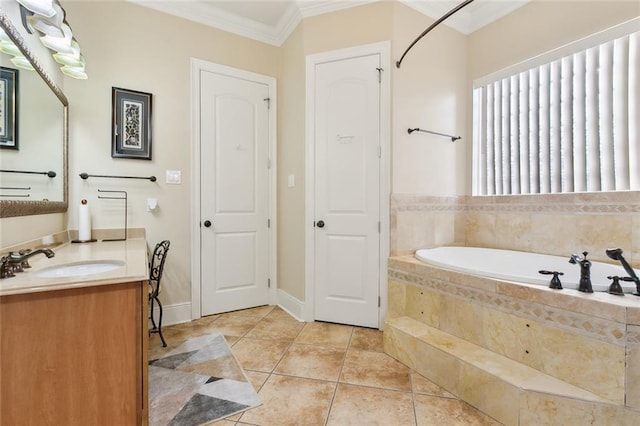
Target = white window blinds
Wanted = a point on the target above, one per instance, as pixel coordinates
(567, 125)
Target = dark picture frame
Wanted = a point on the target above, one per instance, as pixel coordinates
(9, 100)
(131, 124)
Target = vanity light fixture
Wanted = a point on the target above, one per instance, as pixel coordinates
(48, 18)
(7, 46)
(41, 7)
(22, 62)
(49, 25)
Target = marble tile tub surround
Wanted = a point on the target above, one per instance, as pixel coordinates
(590, 341)
(558, 224)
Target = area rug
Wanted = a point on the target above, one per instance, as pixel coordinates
(198, 382)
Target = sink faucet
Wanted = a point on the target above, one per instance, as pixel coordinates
(585, 271)
(12, 262)
(616, 254)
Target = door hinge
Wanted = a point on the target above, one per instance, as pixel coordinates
(379, 151)
(380, 74)
(268, 223)
(268, 102)
(378, 301)
(268, 282)
(269, 163)
(379, 226)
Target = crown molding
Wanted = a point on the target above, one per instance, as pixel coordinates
(215, 17)
(466, 21)
(314, 8)
(471, 18)
(288, 23)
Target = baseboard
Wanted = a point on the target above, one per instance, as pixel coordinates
(174, 314)
(293, 306)
(181, 312)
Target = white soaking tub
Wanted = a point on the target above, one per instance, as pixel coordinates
(520, 266)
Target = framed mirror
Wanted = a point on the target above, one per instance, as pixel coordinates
(33, 161)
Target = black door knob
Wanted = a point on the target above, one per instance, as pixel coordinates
(320, 224)
(207, 223)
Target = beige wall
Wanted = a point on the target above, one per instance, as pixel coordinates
(429, 92)
(426, 92)
(132, 47)
(16, 230)
(558, 224)
(291, 161)
(540, 26)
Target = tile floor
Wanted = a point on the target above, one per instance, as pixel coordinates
(322, 374)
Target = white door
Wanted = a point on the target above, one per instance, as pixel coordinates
(234, 120)
(347, 191)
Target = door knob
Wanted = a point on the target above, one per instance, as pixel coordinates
(320, 224)
(207, 223)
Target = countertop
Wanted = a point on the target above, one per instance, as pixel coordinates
(132, 253)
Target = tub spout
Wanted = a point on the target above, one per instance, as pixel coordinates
(616, 254)
(585, 271)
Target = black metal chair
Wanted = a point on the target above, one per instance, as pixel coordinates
(155, 275)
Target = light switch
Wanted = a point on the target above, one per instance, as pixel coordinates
(291, 181)
(174, 177)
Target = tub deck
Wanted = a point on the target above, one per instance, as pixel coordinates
(585, 345)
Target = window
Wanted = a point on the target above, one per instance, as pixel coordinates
(567, 121)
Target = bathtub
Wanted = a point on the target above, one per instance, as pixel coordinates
(520, 266)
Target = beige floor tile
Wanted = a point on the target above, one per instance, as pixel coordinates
(258, 354)
(325, 334)
(232, 325)
(259, 313)
(431, 410)
(375, 369)
(291, 401)
(366, 339)
(359, 405)
(313, 362)
(373, 389)
(276, 330)
(257, 378)
(425, 386)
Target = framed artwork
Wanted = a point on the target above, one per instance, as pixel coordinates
(8, 108)
(131, 123)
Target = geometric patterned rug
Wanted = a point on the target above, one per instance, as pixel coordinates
(198, 382)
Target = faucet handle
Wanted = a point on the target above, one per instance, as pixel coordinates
(25, 263)
(555, 281)
(5, 267)
(615, 287)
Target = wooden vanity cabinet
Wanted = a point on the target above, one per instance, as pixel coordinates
(75, 357)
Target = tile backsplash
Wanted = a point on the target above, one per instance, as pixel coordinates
(558, 224)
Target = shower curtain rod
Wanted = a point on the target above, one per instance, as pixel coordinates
(417, 129)
(432, 26)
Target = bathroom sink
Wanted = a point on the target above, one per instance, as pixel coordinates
(79, 269)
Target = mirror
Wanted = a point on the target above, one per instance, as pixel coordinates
(41, 130)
